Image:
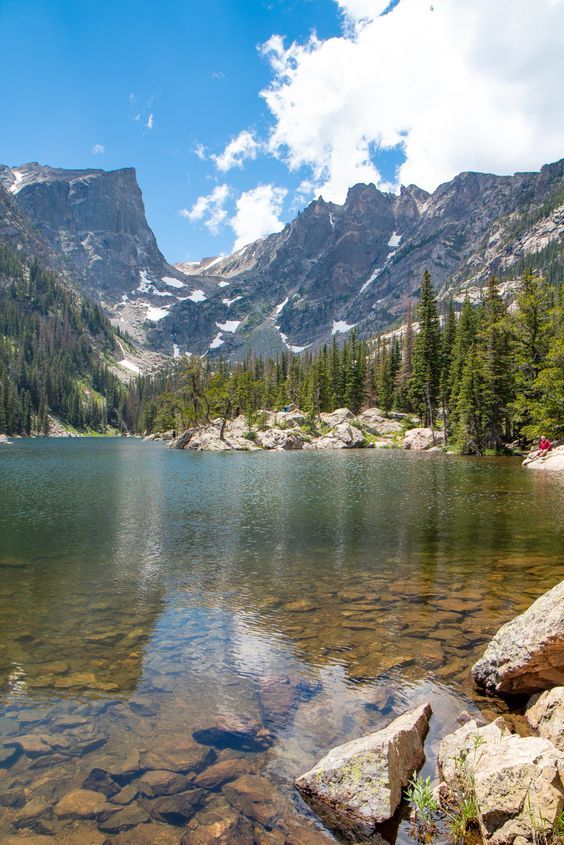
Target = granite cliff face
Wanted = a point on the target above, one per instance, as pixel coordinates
(332, 268)
(91, 225)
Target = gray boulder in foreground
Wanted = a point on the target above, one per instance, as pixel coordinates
(527, 654)
(358, 785)
(517, 781)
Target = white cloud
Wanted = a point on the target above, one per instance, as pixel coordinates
(458, 86)
(98, 149)
(244, 146)
(200, 151)
(257, 214)
(149, 124)
(210, 208)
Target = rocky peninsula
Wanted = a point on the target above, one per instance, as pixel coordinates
(292, 430)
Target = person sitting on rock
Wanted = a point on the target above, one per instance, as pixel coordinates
(545, 446)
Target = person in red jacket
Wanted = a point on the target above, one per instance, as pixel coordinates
(544, 446)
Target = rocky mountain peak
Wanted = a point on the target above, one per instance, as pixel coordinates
(332, 268)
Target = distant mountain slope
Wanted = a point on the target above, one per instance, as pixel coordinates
(338, 266)
(56, 354)
(333, 267)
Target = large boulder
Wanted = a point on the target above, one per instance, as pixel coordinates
(374, 421)
(343, 436)
(527, 654)
(335, 418)
(553, 461)
(418, 439)
(358, 785)
(545, 715)
(182, 441)
(516, 782)
(280, 439)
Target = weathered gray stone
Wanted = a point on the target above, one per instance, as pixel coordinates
(527, 654)
(280, 439)
(422, 438)
(553, 461)
(359, 785)
(342, 436)
(545, 715)
(517, 781)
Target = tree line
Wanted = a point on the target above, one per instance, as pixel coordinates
(52, 348)
(485, 375)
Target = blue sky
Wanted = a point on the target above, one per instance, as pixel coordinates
(164, 87)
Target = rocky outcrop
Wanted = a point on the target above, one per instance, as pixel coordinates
(289, 430)
(422, 438)
(280, 439)
(527, 654)
(358, 785)
(545, 715)
(517, 783)
(343, 436)
(553, 461)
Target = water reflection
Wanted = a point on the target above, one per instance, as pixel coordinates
(145, 591)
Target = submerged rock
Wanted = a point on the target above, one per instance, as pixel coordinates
(81, 804)
(154, 784)
(358, 785)
(177, 808)
(517, 781)
(219, 824)
(242, 733)
(527, 654)
(223, 772)
(256, 798)
(545, 715)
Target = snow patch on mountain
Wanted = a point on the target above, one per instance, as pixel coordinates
(229, 325)
(173, 283)
(217, 341)
(341, 326)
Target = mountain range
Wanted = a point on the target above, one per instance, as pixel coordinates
(334, 267)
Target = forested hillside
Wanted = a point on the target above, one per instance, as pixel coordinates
(53, 345)
(486, 375)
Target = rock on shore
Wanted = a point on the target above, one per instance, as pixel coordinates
(527, 654)
(358, 785)
(553, 461)
(291, 430)
(517, 782)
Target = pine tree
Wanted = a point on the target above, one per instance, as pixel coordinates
(530, 327)
(497, 366)
(424, 385)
